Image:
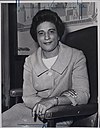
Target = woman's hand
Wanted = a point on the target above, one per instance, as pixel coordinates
(41, 107)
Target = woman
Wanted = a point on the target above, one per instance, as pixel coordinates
(55, 74)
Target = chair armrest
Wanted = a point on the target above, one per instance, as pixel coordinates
(63, 110)
(16, 92)
(69, 111)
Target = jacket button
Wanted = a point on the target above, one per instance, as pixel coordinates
(50, 74)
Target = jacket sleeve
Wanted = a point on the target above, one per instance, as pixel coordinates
(79, 94)
(80, 82)
(29, 97)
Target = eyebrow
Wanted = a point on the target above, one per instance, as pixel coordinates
(40, 31)
(49, 30)
(52, 29)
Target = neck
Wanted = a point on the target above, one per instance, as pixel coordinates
(50, 54)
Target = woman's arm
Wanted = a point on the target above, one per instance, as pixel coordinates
(79, 94)
(29, 97)
(47, 103)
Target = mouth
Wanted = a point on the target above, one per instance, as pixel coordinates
(47, 43)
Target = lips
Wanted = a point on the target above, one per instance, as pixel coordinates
(47, 43)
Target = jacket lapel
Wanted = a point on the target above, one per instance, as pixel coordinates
(59, 66)
(38, 64)
(63, 59)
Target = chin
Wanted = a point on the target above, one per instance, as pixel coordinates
(47, 49)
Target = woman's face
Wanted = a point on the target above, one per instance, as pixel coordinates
(47, 36)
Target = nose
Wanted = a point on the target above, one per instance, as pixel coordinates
(47, 36)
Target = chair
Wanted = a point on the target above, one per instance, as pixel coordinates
(83, 115)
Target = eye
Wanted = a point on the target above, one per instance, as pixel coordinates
(41, 33)
(52, 31)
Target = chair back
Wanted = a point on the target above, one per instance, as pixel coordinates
(86, 40)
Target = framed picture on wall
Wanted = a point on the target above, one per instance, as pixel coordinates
(73, 14)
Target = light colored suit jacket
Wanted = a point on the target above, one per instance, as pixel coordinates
(68, 72)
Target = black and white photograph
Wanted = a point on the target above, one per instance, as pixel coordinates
(49, 64)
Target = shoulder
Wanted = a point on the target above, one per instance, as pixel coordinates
(74, 51)
(74, 55)
(32, 56)
(28, 60)
(77, 52)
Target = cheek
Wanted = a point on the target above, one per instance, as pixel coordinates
(56, 38)
(40, 39)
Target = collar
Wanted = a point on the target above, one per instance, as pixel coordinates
(59, 66)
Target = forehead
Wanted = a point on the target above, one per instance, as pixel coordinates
(46, 26)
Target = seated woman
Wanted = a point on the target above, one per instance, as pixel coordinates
(55, 74)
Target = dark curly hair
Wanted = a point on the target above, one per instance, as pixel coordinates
(46, 15)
